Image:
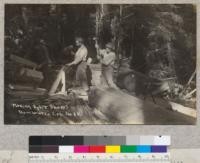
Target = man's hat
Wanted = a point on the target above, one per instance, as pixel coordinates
(110, 46)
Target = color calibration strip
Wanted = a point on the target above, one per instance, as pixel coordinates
(145, 144)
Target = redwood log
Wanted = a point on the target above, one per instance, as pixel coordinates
(122, 108)
(33, 74)
(23, 61)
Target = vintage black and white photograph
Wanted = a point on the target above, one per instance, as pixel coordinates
(100, 64)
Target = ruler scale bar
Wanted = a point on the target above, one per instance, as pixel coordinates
(100, 157)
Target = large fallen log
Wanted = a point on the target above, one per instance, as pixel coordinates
(23, 61)
(139, 83)
(21, 70)
(25, 88)
(26, 94)
(122, 108)
(31, 75)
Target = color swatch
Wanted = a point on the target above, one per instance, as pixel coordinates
(128, 149)
(112, 149)
(97, 149)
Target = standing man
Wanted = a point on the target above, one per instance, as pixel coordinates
(107, 59)
(44, 62)
(80, 60)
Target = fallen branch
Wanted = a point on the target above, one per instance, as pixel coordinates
(190, 94)
(184, 110)
(191, 78)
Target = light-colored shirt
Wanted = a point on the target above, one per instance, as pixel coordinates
(108, 58)
(80, 55)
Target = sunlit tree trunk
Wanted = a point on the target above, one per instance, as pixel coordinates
(170, 58)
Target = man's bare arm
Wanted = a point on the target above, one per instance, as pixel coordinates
(78, 58)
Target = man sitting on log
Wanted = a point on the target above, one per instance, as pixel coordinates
(107, 60)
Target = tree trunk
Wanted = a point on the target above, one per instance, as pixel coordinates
(170, 59)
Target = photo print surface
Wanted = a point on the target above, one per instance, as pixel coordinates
(100, 64)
